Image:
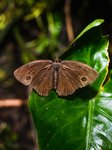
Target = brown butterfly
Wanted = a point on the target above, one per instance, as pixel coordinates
(65, 76)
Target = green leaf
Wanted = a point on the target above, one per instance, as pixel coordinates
(95, 23)
(73, 122)
(100, 125)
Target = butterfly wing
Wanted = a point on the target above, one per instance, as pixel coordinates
(43, 81)
(38, 74)
(64, 84)
(73, 75)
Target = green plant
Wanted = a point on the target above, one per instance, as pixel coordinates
(31, 26)
(8, 141)
(82, 120)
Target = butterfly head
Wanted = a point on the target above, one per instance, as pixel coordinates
(57, 59)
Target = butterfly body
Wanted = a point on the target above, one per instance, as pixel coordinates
(55, 73)
(65, 76)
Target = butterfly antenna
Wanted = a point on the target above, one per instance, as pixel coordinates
(52, 52)
(71, 45)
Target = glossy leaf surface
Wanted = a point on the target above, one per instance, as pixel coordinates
(82, 120)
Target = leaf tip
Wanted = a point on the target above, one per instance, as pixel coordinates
(98, 21)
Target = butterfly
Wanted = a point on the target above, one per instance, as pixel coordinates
(65, 76)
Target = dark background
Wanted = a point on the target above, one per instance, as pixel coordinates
(26, 28)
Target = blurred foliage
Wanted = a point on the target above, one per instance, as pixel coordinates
(28, 10)
(33, 26)
(7, 139)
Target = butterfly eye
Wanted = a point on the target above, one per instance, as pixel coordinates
(83, 78)
(28, 77)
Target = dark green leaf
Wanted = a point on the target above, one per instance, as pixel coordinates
(73, 122)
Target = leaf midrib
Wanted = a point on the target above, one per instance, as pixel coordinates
(90, 114)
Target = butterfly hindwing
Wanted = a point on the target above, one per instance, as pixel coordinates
(65, 85)
(43, 81)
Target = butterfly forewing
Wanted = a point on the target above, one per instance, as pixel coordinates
(81, 73)
(34, 74)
